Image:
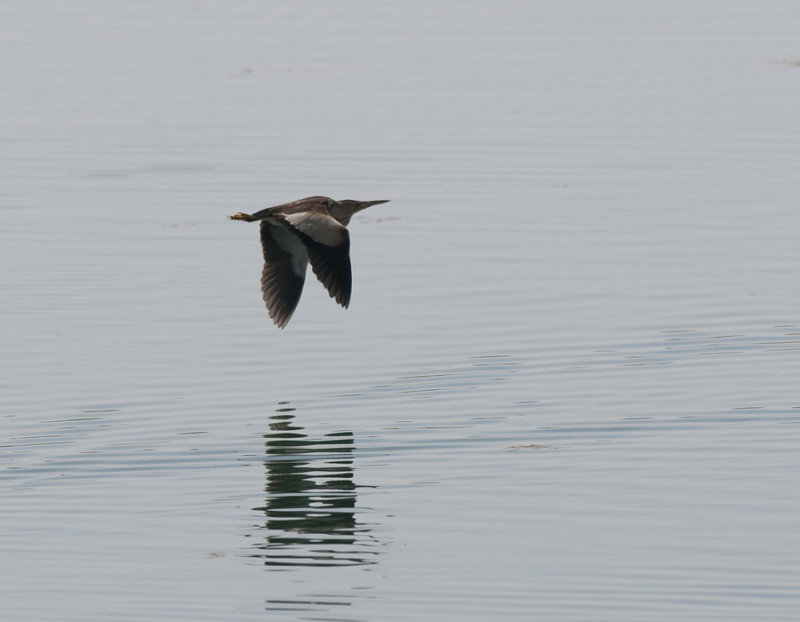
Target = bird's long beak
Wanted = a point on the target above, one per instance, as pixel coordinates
(366, 204)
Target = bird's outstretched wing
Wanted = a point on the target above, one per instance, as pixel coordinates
(328, 245)
(285, 262)
(331, 264)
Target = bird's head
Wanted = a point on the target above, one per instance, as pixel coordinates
(344, 210)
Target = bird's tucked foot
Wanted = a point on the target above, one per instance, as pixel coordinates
(243, 216)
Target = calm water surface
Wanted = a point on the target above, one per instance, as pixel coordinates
(567, 385)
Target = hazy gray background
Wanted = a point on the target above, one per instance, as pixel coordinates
(567, 385)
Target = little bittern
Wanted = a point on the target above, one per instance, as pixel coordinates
(292, 235)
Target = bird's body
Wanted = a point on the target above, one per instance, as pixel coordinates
(312, 230)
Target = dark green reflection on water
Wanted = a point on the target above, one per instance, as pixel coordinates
(310, 507)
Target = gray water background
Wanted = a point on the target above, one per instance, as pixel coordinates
(567, 385)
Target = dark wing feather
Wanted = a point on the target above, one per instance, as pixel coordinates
(328, 244)
(285, 262)
(331, 264)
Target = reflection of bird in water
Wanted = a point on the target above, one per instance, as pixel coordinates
(310, 507)
(292, 235)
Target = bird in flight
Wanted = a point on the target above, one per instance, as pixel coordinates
(313, 230)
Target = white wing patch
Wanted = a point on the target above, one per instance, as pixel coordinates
(319, 227)
(290, 243)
